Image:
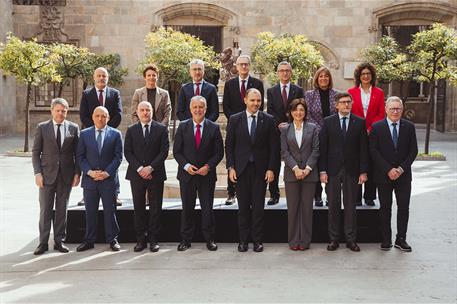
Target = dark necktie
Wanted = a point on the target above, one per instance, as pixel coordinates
(243, 90)
(344, 128)
(197, 90)
(253, 127)
(395, 134)
(198, 137)
(146, 131)
(284, 97)
(99, 141)
(100, 97)
(58, 137)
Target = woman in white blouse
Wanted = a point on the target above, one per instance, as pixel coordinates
(299, 151)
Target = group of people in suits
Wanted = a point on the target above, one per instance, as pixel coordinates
(317, 134)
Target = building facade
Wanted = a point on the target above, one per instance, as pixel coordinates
(338, 28)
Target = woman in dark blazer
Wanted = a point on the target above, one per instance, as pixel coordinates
(321, 103)
(299, 151)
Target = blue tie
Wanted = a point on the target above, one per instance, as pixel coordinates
(344, 128)
(395, 134)
(99, 141)
(253, 126)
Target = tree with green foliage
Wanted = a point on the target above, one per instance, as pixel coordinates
(390, 61)
(270, 49)
(433, 54)
(112, 62)
(30, 63)
(172, 51)
(71, 62)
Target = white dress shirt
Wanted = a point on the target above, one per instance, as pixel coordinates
(365, 97)
(104, 94)
(287, 87)
(240, 83)
(248, 114)
(62, 131)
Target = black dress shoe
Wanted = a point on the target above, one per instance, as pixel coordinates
(387, 245)
(140, 246)
(318, 202)
(243, 247)
(183, 246)
(370, 203)
(230, 200)
(353, 246)
(114, 245)
(61, 248)
(154, 247)
(41, 249)
(258, 247)
(211, 246)
(81, 202)
(358, 203)
(84, 246)
(402, 245)
(118, 202)
(326, 203)
(273, 201)
(333, 246)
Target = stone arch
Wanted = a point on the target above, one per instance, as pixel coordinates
(418, 13)
(331, 59)
(198, 13)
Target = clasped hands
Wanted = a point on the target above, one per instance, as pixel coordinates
(193, 170)
(98, 175)
(269, 176)
(146, 172)
(394, 173)
(301, 173)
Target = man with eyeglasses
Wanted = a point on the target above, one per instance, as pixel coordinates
(343, 164)
(393, 156)
(278, 99)
(197, 87)
(233, 101)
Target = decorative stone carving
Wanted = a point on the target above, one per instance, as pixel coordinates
(330, 57)
(51, 22)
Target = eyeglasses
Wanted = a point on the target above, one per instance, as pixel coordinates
(243, 64)
(393, 110)
(348, 102)
(284, 71)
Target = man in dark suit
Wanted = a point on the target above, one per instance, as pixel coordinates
(99, 156)
(198, 148)
(278, 100)
(198, 86)
(56, 171)
(251, 146)
(146, 149)
(393, 147)
(343, 165)
(101, 95)
(233, 101)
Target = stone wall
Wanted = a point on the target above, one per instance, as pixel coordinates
(7, 84)
(341, 28)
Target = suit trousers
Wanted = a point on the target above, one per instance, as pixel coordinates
(92, 200)
(403, 195)
(250, 190)
(318, 192)
(204, 188)
(58, 193)
(348, 184)
(230, 187)
(147, 226)
(299, 196)
(273, 187)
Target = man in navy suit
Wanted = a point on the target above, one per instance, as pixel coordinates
(251, 146)
(278, 100)
(99, 156)
(146, 149)
(198, 148)
(233, 101)
(393, 147)
(343, 165)
(198, 86)
(101, 95)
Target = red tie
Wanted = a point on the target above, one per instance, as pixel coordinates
(100, 97)
(197, 90)
(284, 96)
(198, 137)
(243, 90)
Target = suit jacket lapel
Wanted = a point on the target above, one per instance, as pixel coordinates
(189, 132)
(206, 130)
(51, 133)
(66, 132)
(158, 99)
(259, 126)
(291, 135)
(237, 88)
(389, 135)
(244, 126)
(292, 93)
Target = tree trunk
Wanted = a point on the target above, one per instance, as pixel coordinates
(171, 91)
(59, 94)
(431, 101)
(27, 117)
